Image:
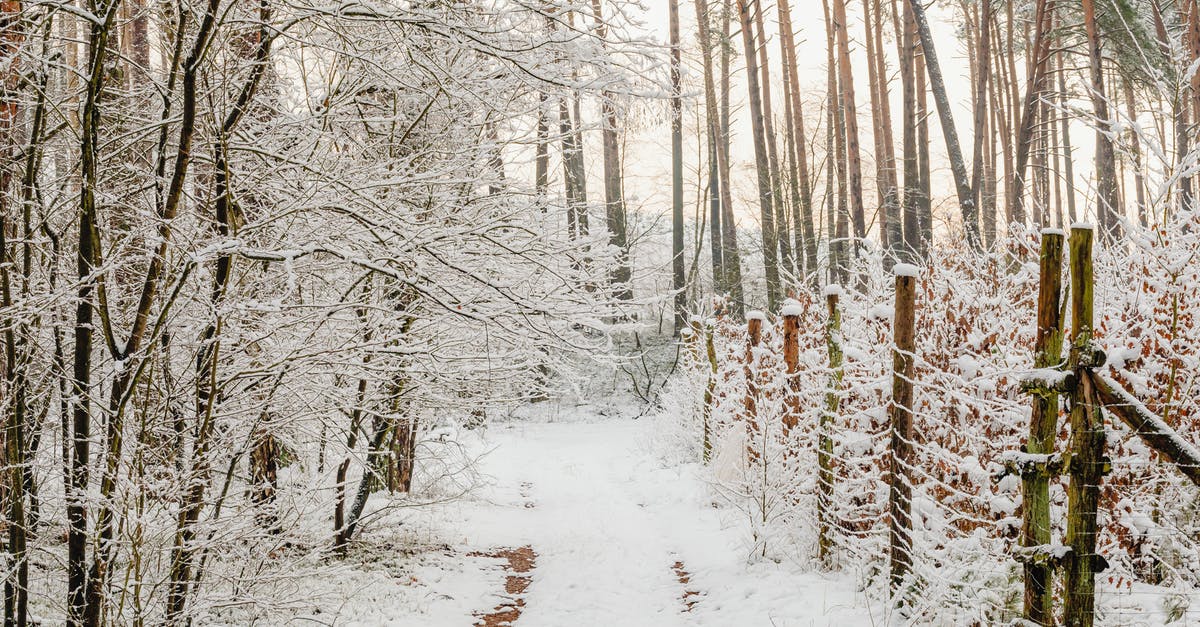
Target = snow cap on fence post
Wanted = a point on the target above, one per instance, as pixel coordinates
(791, 358)
(906, 269)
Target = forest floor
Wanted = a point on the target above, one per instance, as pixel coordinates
(579, 524)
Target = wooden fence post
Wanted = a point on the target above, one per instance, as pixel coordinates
(709, 388)
(791, 358)
(833, 399)
(1043, 427)
(903, 371)
(754, 324)
(1087, 442)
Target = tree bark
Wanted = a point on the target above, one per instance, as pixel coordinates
(1029, 112)
(1108, 203)
(614, 195)
(962, 184)
(849, 121)
(677, 269)
(781, 225)
(761, 160)
(806, 240)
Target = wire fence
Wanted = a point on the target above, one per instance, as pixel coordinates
(974, 345)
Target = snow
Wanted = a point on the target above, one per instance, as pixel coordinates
(1052, 231)
(1082, 225)
(906, 269)
(1119, 356)
(792, 307)
(607, 522)
(1046, 377)
(1152, 420)
(756, 315)
(833, 289)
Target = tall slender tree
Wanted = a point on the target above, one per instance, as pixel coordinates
(849, 120)
(677, 265)
(1108, 203)
(766, 192)
(805, 236)
(962, 183)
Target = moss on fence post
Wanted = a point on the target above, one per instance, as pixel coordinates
(1043, 427)
(1087, 442)
(833, 397)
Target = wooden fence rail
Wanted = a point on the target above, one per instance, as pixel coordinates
(1078, 377)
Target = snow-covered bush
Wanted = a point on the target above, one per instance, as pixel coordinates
(975, 324)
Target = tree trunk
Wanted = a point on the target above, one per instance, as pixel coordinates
(962, 184)
(1108, 204)
(905, 43)
(849, 121)
(1087, 441)
(781, 227)
(806, 240)
(761, 160)
(677, 269)
(839, 269)
(1135, 152)
(983, 55)
(712, 137)
(1029, 113)
(1043, 430)
(614, 195)
(1064, 122)
(732, 256)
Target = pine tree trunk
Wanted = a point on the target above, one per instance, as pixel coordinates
(761, 160)
(732, 256)
(905, 43)
(677, 269)
(849, 122)
(1135, 152)
(839, 269)
(1029, 112)
(614, 195)
(712, 136)
(777, 197)
(966, 197)
(1108, 204)
(805, 232)
(982, 66)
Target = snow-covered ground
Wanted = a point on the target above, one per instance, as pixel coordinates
(608, 524)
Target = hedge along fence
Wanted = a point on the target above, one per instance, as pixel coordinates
(806, 438)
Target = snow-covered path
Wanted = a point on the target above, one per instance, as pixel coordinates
(608, 523)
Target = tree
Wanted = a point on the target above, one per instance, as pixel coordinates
(1108, 204)
(677, 267)
(966, 196)
(805, 231)
(766, 192)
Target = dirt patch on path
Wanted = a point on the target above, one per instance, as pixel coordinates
(519, 562)
(690, 596)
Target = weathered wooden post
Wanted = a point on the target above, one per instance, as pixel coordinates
(833, 399)
(754, 324)
(1039, 462)
(791, 358)
(694, 336)
(903, 371)
(709, 388)
(1087, 463)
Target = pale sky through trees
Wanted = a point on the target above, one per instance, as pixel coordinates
(648, 162)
